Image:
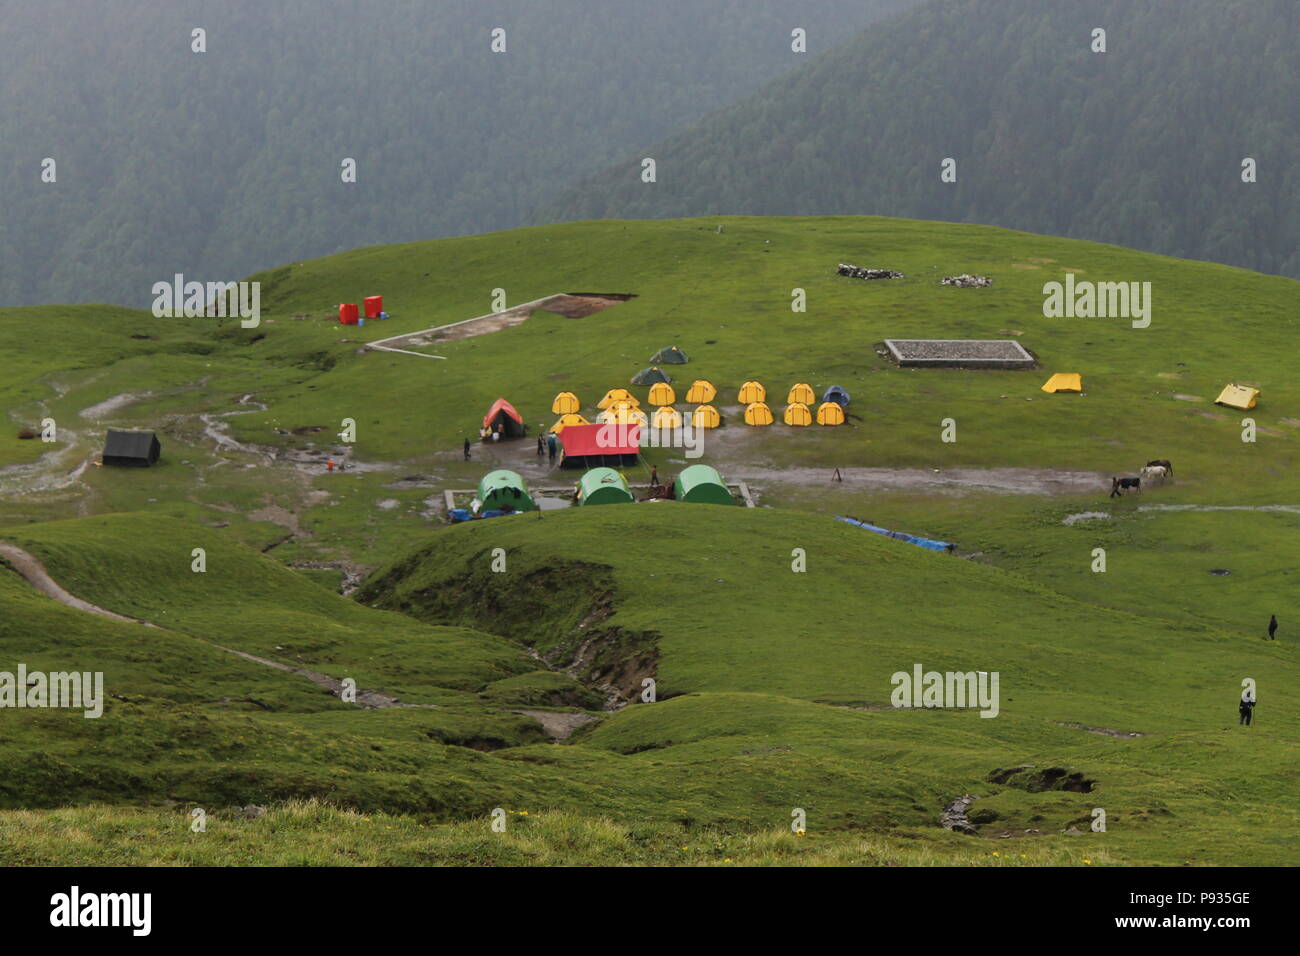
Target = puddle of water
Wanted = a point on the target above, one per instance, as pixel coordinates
(1083, 516)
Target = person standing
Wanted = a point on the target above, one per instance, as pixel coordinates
(1245, 710)
(540, 446)
(1272, 627)
(654, 476)
(467, 449)
(552, 445)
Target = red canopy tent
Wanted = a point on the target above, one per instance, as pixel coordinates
(503, 413)
(589, 446)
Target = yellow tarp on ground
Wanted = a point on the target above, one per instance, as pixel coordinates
(661, 393)
(706, 416)
(757, 413)
(1238, 396)
(667, 418)
(618, 395)
(566, 403)
(566, 420)
(701, 392)
(830, 413)
(797, 413)
(751, 392)
(801, 393)
(1064, 382)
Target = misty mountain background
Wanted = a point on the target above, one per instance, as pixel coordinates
(227, 162)
(222, 163)
(1141, 145)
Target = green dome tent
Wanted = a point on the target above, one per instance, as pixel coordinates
(648, 376)
(702, 485)
(603, 486)
(501, 489)
(671, 355)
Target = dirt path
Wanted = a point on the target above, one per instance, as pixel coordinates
(568, 304)
(1025, 481)
(31, 568)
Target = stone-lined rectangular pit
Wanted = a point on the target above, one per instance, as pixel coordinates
(959, 353)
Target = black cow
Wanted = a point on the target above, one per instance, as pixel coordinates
(1121, 484)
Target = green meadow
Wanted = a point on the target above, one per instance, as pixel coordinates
(770, 635)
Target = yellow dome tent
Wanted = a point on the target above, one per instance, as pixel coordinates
(1238, 396)
(661, 393)
(797, 413)
(566, 420)
(701, 392)
(830, 413)
(757, 413)
(706, 416)
(1064, 382)
(667, 418)
(618, 395)
(801, 393)
(621, 415)
(751, 392)
(566, 403)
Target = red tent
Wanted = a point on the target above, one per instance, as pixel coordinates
(589, 446)
(503, 413)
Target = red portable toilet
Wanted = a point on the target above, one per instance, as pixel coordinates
(348, 313)
(374, 305)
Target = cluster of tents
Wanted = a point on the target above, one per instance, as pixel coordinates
(618, 406)
(504, 492)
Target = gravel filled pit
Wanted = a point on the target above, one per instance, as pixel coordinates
(959, 353)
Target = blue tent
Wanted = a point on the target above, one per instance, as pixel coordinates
(837, 395)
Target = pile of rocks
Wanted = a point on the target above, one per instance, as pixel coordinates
(967, 281)
(854, 272)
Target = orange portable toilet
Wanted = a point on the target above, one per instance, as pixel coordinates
(348, 313)
(374, 305)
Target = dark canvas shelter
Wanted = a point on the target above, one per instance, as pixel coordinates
(133, 449)
(590, 446)
(503, 413)
(670, 355)
(837, 395)
(649, 376)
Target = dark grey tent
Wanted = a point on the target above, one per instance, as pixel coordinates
(837, 395)
(670, 355)
(649, 376)
(138, 449)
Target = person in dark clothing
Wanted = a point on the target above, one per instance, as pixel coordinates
(1272, 627)
(1245, 710)
(467, 449)
(654, 476)
(540, 446)
(552, 446)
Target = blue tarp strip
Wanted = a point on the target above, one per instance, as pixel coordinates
(928, 543)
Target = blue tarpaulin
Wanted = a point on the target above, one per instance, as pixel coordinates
(928, 543)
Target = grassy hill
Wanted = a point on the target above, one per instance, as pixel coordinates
(773, 686)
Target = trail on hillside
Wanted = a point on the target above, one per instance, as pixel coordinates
(568, 304)
(33, 570)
